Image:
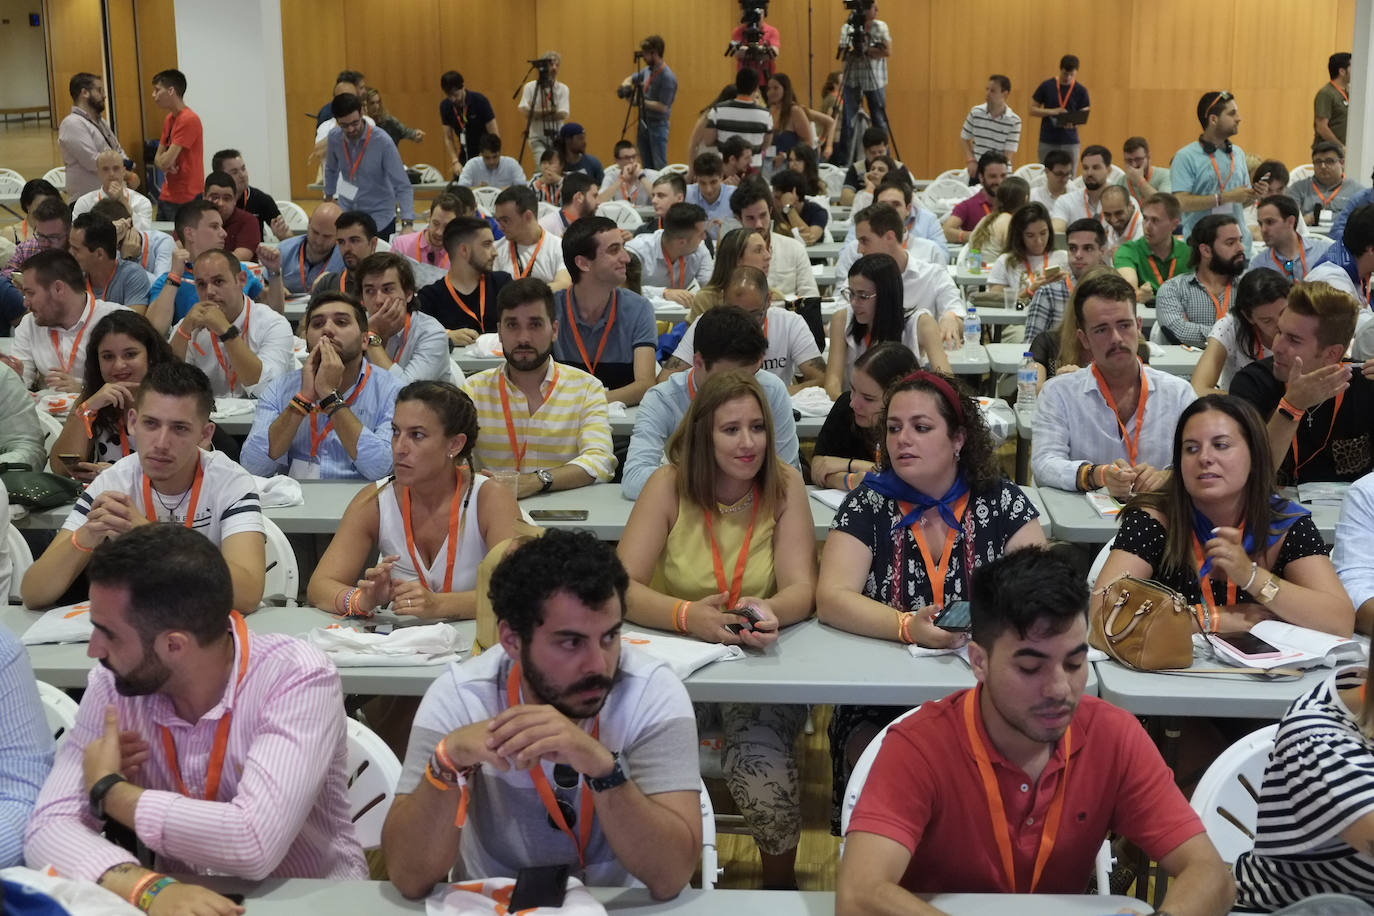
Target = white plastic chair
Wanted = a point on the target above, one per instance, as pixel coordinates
(680, 168)
(486, 198)
(833, 176)
(622, 212)
(944, 194)
(1300, 174)
(953, 175)
(1099, 562)
(297, 220)
(373, 771)
(1227, 796)
(57, 177)
(282, 582)
(545, 208)
(21, 558)
(1031, 171)
(52, 428)
(58, 708)
(710, 861)
(11, 183)
(428, 173)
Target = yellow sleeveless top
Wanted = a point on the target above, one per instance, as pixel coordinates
(686, 570)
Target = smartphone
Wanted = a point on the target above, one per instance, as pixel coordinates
(955, 617)
(559, 515)
(751, 616)
(1053, 273)
(1249, 645)
(543, 885)
(71, 460)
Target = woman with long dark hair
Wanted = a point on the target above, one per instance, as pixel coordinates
(847, 445)
(1246, 332)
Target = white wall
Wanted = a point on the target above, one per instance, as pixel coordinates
(232, 57)
(1359, 130)
(23, 58)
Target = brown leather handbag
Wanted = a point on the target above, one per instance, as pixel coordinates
(1143, 625)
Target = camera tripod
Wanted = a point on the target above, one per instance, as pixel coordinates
(541, 99)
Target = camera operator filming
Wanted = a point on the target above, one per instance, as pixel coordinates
(754, 43)
(544, 102)
(651, 89)
(865, 44)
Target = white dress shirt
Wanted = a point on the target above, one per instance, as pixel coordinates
(35, 347)
(926, 287)
(1353, 552)
(657, 278)
(139, 206)
(268, 335)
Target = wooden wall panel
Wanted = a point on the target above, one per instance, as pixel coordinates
(124, 98)
(157, 51)
(313, 36)
(75, 44)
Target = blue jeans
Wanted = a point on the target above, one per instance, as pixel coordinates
(877, 111)
(167, 211)
(652, 141)
(11, 306)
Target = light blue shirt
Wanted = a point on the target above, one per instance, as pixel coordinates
(291, 265)
(1362, 199)
(373, 408)
(156, 255)
(666, 404)
(1312, 246)
(506, 174)
(380, 178)
(187, 297)
(720, 210)
(924, 225)
(26, 747)
(1191, 172)
(1353, 553)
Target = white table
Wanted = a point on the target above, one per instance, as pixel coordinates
(671, 311)
(994, 316)
(825, 250)
(1150, 693)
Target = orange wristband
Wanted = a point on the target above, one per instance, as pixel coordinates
(77, 544)
(680, 616)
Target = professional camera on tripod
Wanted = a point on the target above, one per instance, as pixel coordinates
(856, 30)
(751, 41)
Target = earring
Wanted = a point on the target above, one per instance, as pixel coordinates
(956, 454)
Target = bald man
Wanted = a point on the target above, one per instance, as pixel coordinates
(305, 257)
(109, 167)
(1123, 220)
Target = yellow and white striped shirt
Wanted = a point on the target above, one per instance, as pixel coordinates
(570, 427)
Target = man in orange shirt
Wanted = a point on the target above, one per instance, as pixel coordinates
(181, 148)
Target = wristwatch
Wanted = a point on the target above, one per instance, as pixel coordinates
(545, 480)
(617, 776)
(1290, 414)
(374, 339)
(330, 402)
(1269, 590)
(103, 787)
(229, 334)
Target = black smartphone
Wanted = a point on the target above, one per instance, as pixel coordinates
(750, 615)
(1248, 644)
(543, 885)
(559, 515)
(955, 617)
(234, 898)
(71, 460)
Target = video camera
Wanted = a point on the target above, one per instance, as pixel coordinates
(544, 66)
(858, 27)
(752, 13)
(625, 92)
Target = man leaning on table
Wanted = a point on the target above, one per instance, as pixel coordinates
(572, 748)
(1013, 786)
(237, 764)
(1109, 424)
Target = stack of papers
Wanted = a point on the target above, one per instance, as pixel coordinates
(1106, 505)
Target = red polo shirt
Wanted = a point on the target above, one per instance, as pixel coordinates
(242, 230)
(925, 792)
(972, 210)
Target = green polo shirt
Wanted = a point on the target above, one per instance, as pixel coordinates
(1333, 106)
(1148, 268)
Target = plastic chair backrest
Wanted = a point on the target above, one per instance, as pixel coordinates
(953, 175)
(21, 558)
(57, 177)
(486, 198)
(680, 168)
(428, 173)
(710, 861)
(622, 212)
(1098, 562)
(282, 582)
(833, 176)
(1300, 174)
(296, 218)
(373, 771)
(1227, 796)
(11, 183)
(545, 208)
(58, 708)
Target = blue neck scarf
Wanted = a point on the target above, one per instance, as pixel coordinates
(1278, 527)
(1339, 255)
(890, 485)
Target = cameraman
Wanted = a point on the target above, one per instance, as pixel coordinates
(549, 100)
(865, 44)
(756, 43)
(659, 86)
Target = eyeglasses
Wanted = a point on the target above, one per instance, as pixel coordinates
(1325, 161)
(848, 295)
(56, 239)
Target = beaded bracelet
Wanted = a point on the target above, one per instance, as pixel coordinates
(145, 900)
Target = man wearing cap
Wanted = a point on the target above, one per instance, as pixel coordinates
(572, 147)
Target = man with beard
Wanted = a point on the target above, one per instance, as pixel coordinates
(546, 420)
(411, 346)
(1210, 175)
(1085, 240)
(993, 169)
(349, 405)
(578, 197)
(1121, 216)
(459, 300)
(355, 237)
(1286, 251)
(517, 729)
(171, 478)
(1189, 305)
(177, 666)
(50, 342)
(1023, 725)
(1084, 200)
(83, 135)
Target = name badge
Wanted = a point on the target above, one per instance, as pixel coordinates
(345, 189)
(304, 469)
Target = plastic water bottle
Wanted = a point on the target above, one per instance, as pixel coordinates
(1025, 383)
(973, 328)
(975, 261)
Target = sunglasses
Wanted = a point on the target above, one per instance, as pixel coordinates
(565, 777)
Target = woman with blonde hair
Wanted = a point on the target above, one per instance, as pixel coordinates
(737, 248)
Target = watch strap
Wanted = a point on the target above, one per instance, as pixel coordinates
(617, 776)
(102, 788)
(331, 402)
(229, 334)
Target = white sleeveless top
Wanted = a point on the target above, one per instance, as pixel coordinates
(391, 539)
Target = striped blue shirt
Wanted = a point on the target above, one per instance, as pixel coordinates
(26, 747)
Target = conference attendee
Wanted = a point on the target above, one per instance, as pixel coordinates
(242, 234)
(874, 145)
(924, 237)
(674, 258)
(793, 213)
(199, 228)
(151, 252)
(572, 149)
(123, 349)
(549, 101)
(847, 445)
(348, 403)
(1030, 254)
(355, 236)
(738, 248)
(1209, 176)
(50, 342)
(627, 181)
(789, 266)
(577, 198)
(989, 237)
(1328, 189)
(436, 505)
(1286, 249)
(1189, 305)
(109, 168)
(305, 257)
(939, 482)
(548, 183)
(527, 250)
(1054, 98)
(926, 284)
(1058, 174)
(1144, 179)
(93, 241)
(352, 85)
(544, 420)
(397, 131)
(84, 134)
(180, 147)
(459, 300)
(241, 349)
(466, 803)
(865, 57)
(34, 190)
(26, 757)
(991, 126)
(708, 191)
(467, 117)
(684, 520)
(1086, 243)
(21, 438)
(49, 222)
(742, 116)
(737, 156)
(1095, 169)
(1245, 333)
(992, 170)
(1092, 426)
(667, 189)
(1331, 105)
(909, 832)
(1318, 408)
(363, 170)
(254, 200)
(1155, 257)
(727, 338)
(601, 328)
(171, 478)
(426, 246)
(173, 650)
(1122, 217)
(1223, 488)
(797, 125)
(348, 81)
(401, 340)
(1348, 263)
(489, 169)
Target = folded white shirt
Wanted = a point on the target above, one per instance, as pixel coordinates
(487, 346)
(279, 491)
(812, 402)
(680, 654)
(232, 407)
(429, 644)
(481, 896)
(69, 623)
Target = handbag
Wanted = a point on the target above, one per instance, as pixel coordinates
(1143, 625)
(37, 489)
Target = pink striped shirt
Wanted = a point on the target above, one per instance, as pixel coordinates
(285, 811)
(415, 245)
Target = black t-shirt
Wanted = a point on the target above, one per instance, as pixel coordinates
(1330, 448)
(476, 114)
(840, 437)
(436, 301)
(260, 204)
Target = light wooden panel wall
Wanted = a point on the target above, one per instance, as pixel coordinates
(123, 96)
(75, 44)
(155, 22)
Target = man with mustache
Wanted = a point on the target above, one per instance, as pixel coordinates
(1190, 304)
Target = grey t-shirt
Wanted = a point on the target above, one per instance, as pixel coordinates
(128, 286)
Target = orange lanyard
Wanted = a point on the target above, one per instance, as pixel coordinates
(343, 281)
(1222, 305)
(523, 272)
(230, 375)
(1130, 230)
(1150, 259)
(1206, 583)
(577, 335)
(673, 281)
(440, 261)
(349, 160)
(1221, 185)
(628, 195)
(1297, 464)
(546, 192)
(405, 335)
(146, 250)
(1286, 264)
(456, 523)
(124, 448)
(305, 277)
(215, 768)
(24, 230)
(318, 437)
(70, 360)
(1132, 443)
(737, 579)
(481, 316)
(517, 447)
(1064, 97)
(1345, 95)
(1088, 207)
(148, 504)
(585, 806)
(244, 204)
(649, 80)
(691, 384)
(104, 289)
(1326, 201)
(936, 571)
(993, 792)
(1045, 265)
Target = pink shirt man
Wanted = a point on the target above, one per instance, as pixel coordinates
(415, 245)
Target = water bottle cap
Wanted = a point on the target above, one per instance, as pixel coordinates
(1029, 353)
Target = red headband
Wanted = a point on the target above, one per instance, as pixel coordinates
(945, 388)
